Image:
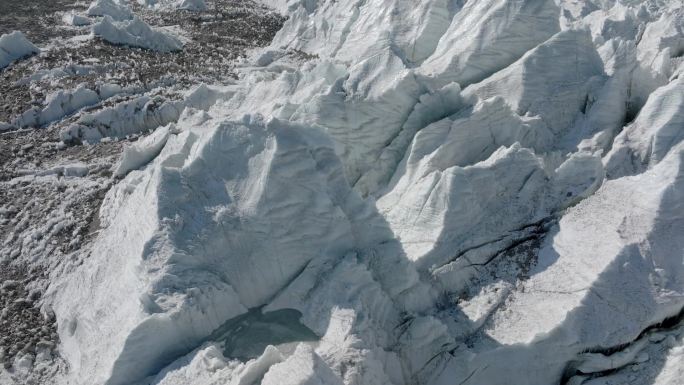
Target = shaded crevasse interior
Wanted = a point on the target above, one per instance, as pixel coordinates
(441, 192)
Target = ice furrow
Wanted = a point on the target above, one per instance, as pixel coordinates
(600, 362)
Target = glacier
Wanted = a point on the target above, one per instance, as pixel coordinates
(399, 192)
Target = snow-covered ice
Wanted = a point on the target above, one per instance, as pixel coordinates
(113, 8)
(397, 192)
(72, 18)
(185, 5)
(474, 129)
(192, 5)
(655, 132)
(15, 46)
(65, 102)
(140, 114)
(136, 33)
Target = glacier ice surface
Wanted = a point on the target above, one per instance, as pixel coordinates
(396, 192)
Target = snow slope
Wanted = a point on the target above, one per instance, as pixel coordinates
(398, 192)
